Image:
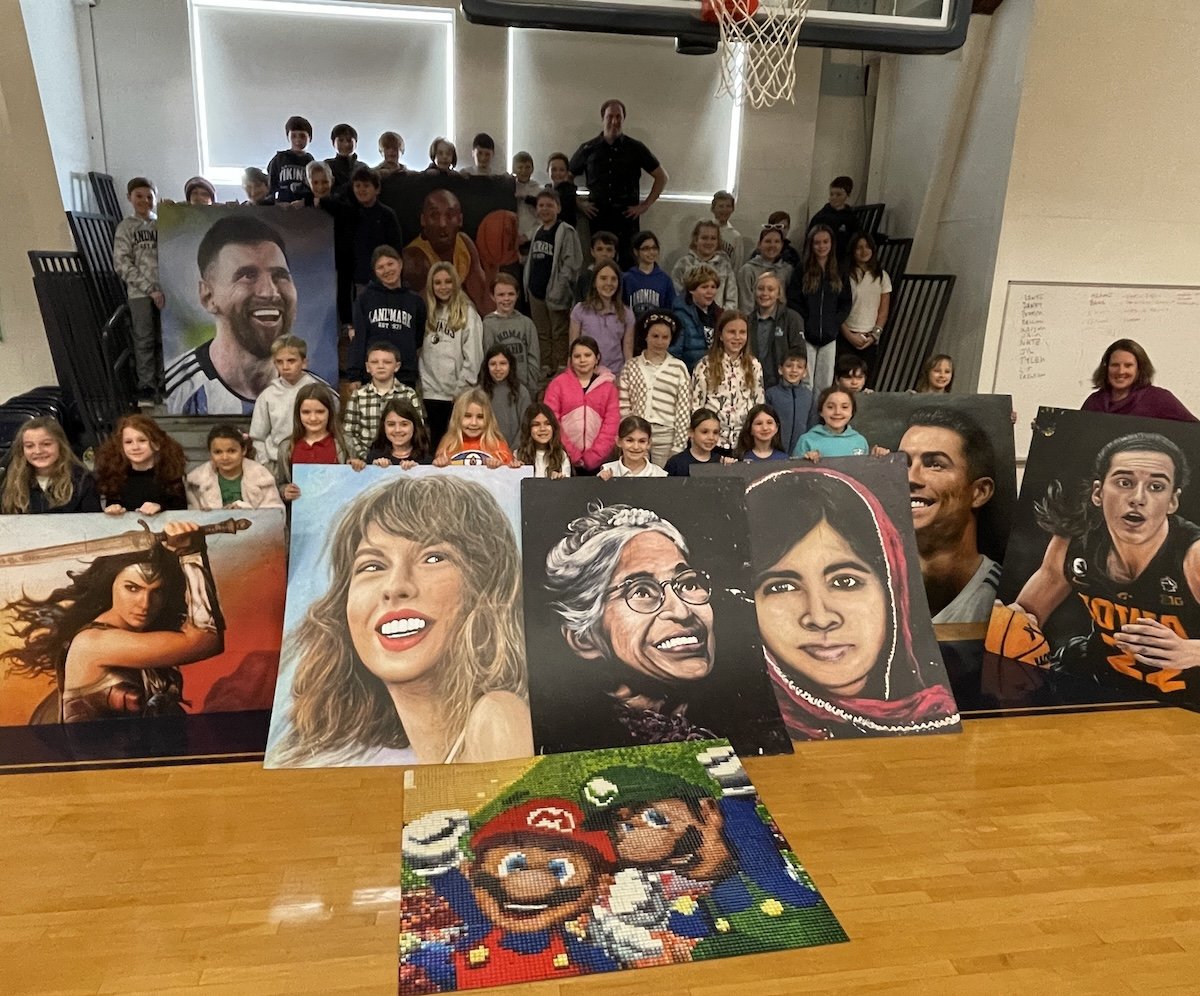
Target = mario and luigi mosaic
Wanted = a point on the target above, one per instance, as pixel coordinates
(613, 859)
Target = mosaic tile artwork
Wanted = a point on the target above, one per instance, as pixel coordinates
(632, 857)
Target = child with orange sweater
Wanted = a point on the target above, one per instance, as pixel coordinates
(474, 438)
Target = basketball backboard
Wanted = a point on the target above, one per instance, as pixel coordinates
(924, 26)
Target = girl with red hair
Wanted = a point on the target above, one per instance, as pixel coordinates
(139, 468)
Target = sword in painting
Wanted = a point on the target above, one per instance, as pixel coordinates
(129, 542)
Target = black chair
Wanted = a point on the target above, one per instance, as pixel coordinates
(104, 190)
(73, 334)
(120, 361)
(893, 257)
(40, 403)
(50, 396)
(94, 235)
(870, 217)
(11, 420)
(912, 329)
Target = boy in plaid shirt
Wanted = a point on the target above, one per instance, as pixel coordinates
(366, 404)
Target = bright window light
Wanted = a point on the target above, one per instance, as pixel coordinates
(696, 134)
(237, 103)
(323, 8)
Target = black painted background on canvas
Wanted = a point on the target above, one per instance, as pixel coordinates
(737, 701)
(882, 418)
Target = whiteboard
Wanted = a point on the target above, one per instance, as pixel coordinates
(1054, 335)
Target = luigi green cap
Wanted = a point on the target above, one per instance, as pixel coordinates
(622, 787)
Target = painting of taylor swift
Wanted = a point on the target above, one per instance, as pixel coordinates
(405, 641)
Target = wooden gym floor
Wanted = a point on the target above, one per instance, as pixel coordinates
(1036, 853)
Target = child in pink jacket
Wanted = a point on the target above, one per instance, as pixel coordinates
(584, 399)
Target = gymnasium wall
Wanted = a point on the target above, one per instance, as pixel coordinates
(845, 120)
(920, 89)
(31, 204)
(915, 123)
(143, 48)
(60, 66)
(1103, 180)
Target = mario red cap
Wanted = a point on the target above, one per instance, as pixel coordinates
(552, 819)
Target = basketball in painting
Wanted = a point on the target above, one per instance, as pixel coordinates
(1014, 635)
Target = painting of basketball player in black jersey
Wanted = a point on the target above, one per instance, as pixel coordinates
(1121, 549)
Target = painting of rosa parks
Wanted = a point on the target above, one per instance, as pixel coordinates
(638, 621)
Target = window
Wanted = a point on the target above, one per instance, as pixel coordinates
(377, 66)
(558, 79)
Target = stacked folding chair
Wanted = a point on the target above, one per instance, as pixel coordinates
(94, 395)
(912, 328)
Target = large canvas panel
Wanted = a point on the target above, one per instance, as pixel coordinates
(604, 673)
(884, 418)
(1104, 560)
(596, 862)
(141, 640)
(403, 633)
(962, 479)
(223, 307)
(475, 215)
(841, 610)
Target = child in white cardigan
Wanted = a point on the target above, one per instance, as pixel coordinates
(657, 386)
(231, 478)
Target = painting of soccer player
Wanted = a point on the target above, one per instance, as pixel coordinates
(1123, 539)
(408, 645)
(163, 629)
(637, 625)
(441, 214)
(845, 630)
(951, 477)
(261, 274)
(963, 489)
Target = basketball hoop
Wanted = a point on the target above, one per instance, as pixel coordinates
(758, 47)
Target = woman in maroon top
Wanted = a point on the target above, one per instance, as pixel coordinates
(316, 438)
(1124, 386)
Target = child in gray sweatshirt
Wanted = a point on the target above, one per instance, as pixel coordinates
(135, 257)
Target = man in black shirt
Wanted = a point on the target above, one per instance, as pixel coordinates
(613, 163)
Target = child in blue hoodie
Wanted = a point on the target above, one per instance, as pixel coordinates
(386, 311)
(836, 437)
(647, 287)
(285, 171)
(793, 399)
(697, 313)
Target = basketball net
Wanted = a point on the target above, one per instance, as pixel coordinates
(758, 47)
